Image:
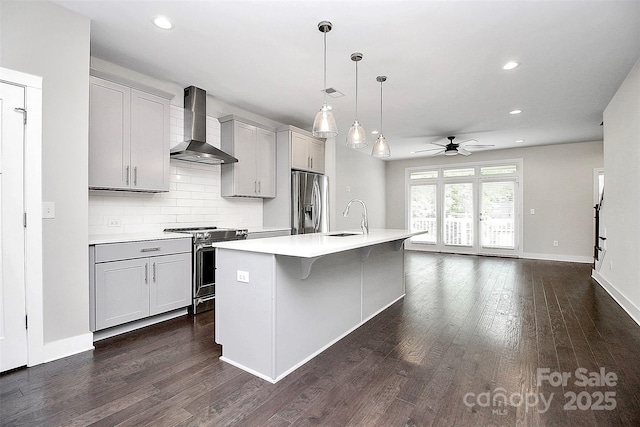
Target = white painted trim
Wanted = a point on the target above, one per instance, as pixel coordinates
(558, 257)
(132, 326)
(68, 347)
(632, 310)
(33, 208)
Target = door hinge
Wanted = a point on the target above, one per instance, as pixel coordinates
(24, 113)
(24, 219)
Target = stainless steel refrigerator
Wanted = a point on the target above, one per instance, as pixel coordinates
(309, 203)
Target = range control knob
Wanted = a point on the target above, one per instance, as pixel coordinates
(206, 235)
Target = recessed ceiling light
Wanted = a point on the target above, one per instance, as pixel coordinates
(515, 112)
(510, 65)
(519, 140)
(162, 22)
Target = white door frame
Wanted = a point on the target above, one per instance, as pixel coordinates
(476, 179)
(33, 209)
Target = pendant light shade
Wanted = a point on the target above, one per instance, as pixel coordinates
(356, 137)
(381, 147)
(324, 125)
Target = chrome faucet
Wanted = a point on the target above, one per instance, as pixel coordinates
(364, 224)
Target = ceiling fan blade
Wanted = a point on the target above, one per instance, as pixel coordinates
(468, 140)
(436, 154)
(463, 151)
(479, 146)
(439, 144)
(429, 149)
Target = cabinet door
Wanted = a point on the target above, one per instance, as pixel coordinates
(122, 292)
(109, 138)
(170, 282)
(299, 152)
(149, 142)
(316, 153)
(266, 163)
(244, 172)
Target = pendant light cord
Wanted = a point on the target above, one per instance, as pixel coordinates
(324, 89)
(356, 90)
(380, 108)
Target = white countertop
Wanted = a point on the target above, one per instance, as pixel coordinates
(97, 239)
(314, 245)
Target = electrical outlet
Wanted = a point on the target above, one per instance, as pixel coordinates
(348, 189)
(242, 276)
(532, 211)
(555, 243)
(114, 223)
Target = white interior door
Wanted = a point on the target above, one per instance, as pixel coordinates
(13, 332)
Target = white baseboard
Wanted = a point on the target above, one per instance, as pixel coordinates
(558, 257)
(632, 310)
(67, 347)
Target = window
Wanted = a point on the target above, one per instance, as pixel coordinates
(498, 170)
(424, 175)
(451, 173)
(423, 208)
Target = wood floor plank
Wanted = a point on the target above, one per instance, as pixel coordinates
(467, 326)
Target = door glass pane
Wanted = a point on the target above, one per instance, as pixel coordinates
(497, 215)
(423, 213)
(458, 214)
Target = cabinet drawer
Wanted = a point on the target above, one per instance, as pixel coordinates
(143, 249)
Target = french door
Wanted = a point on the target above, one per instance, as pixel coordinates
(472, 210)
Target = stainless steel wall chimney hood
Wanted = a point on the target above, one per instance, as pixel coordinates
(195, 147)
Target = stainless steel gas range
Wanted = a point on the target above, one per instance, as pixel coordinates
(204, 262)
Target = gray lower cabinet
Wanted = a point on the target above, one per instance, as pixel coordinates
(129, 284)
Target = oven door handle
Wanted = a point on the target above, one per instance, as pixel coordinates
(201, 246)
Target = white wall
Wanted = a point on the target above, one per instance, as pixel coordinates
(59, 52)
(365, 176)
(620, 269)
(558, 184)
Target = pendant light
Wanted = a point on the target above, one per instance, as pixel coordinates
(356, 137)
(324, 126)
(381, 148)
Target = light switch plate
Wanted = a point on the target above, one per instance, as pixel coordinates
(48, 210)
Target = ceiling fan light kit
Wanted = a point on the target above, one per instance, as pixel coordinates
(381, 147)
(324, 125)
(356, 137)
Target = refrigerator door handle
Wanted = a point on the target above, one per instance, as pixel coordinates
(316, 201)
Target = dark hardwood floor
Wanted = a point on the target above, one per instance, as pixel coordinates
(464, 347)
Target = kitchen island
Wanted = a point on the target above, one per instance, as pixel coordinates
(281, 301)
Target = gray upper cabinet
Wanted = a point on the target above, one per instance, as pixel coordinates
(254, 175)
(307, 153)
(128, 138)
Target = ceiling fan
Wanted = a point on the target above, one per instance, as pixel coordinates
(453, 148)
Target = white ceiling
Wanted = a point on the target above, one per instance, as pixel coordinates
(443, 60)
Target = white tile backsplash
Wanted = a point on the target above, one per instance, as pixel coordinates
(194, 197)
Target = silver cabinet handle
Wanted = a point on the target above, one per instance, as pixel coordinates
(154, 271)
(150, 249)
(255, 186)
(259, 187)
(146, 273)
(127, 176)
(135, 175)
(312, 163)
